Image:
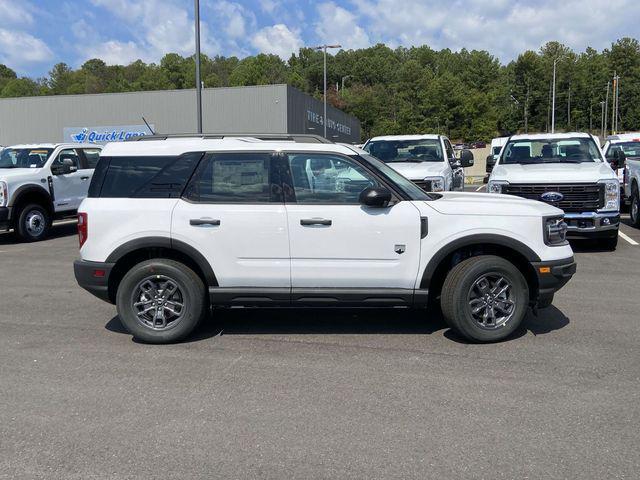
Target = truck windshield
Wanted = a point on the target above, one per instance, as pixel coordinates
(565, 150)
(407, 186)
(630, 149)
(24, 157)
(420, 150)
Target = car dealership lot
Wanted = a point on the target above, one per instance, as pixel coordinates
(314, 394)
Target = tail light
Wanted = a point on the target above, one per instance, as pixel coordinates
(83, 228)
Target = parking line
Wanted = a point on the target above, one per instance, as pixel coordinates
(627, 238)
(480, 188)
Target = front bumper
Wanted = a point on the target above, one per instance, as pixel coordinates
(94, 277)
(592, 224)
(552, 276)
(5, 218)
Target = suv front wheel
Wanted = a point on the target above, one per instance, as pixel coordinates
(484, 298)
(161, 301)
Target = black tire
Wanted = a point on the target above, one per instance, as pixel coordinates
(33, 223)
(610, 243)
(192, 296)
(458, 287)
(634, 209)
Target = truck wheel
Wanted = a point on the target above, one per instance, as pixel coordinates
(33, 223)
(161, 301)
(610, 243)
(634, 209)
(485, 298)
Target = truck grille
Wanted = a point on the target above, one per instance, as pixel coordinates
(578, 197)
(423, 184)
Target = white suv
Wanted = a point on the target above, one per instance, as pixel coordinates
(41, 182)
(173, 226)
(429, 161)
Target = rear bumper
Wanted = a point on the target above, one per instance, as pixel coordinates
(94, 277)
(552, 276)
(5, 218)
(592, 224)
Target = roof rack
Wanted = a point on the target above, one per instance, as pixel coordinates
(273, 137)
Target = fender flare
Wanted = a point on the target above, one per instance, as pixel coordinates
(31, 188)
(165, 242)
(478, 239)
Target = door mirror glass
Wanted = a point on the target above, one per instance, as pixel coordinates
(375, 197)
(63, 166)
(618, 159)
(466, 158)
(491, 162)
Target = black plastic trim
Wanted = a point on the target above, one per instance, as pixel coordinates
(561, 272)
(25, 189)
(480, 239)
(250, 296)
(165, 242)
(98, 286)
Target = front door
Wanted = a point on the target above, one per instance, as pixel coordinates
(69, 189)
(457, 171)
(338, 243)
(232, 212)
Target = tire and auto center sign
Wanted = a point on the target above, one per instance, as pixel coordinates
(104, 134)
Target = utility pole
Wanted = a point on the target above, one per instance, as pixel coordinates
(569, 109)
(553, 98)
(526, 110)
(606, 108)
(616, 82)
(198, 80)
(324, 49)
(602, 113)
(614, 99)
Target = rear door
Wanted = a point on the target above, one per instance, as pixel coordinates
(89, 160)
(338, 243)
(233, 213)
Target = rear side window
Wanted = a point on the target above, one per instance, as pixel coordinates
(143, 177)
(92, 155)
(232, 178)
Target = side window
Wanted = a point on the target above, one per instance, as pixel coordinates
(92, 155)
(69, 154)
(449, 149)
(233, 178)
(328, 179)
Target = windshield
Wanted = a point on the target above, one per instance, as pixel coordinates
(421, 150)
(565, 150)
(630, 149)
(24, 157)
(407, 186)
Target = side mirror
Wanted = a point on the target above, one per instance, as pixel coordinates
(618, 160)
(63, 167)
(466, 158)
(491, 162)
(375, 197)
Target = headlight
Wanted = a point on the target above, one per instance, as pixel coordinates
(4, 194)
(555, 231)
(437, 183)
(496, 186)
(611, 195)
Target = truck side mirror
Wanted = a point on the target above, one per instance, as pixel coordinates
(618, 160)
(466, 158)
(491, 162)
(63, 166)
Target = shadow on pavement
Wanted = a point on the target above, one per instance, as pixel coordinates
(57, 231)
(344, 322)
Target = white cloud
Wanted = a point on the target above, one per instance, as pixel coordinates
(233, 18)
(12, 12)
(338, 25)
(277, 39)
(113, 52)
(19, 49)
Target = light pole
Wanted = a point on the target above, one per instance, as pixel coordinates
(324, 49)
(614, 113)
(553, 98)
(602, 108)
(198, 81)
(606, 107)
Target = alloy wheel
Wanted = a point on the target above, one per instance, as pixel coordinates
(491, 301)
(158, 302)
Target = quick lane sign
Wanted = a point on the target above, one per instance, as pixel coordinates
(104, 134)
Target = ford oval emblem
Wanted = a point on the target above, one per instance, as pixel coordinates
(551, 196)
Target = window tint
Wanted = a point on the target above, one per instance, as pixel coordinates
(322, 178)
(92, 155)
(145, 177)
(68, 154)
(233, 178)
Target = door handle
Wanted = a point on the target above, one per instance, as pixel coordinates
(305, 222)
(204, 222)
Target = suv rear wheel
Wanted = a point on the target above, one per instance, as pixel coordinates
(484, 298)
(161, 301)
(33, 223)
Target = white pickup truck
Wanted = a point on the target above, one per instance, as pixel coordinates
(568, 171)
(429, 161)
(41, 182)
(623, 153)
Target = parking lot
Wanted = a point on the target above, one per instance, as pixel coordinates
(317, 394)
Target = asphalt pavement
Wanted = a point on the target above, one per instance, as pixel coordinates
(277, 394)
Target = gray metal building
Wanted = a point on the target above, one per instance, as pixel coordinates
(116, 116)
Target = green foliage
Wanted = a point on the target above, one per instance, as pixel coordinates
(467, 94)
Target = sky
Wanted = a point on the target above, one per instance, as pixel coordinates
(36, 34)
